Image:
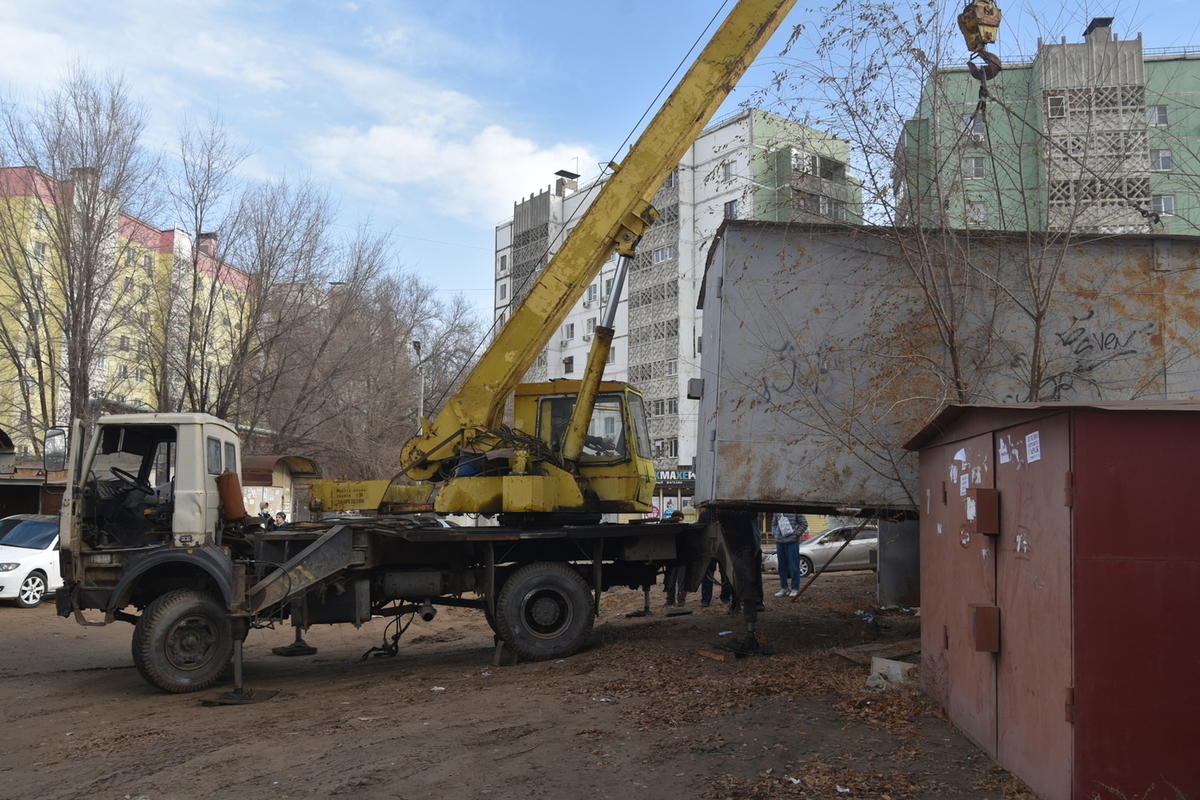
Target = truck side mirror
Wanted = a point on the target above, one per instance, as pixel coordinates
(54, 450)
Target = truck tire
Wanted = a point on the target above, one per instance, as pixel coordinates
(544, 611)
(182, 642)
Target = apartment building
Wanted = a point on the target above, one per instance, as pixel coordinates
(1097, 136)
(87, 289)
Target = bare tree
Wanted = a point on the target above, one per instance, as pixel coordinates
(73, 162)
(199, 307)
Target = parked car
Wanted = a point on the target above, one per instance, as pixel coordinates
(818, 549)
(28, 558)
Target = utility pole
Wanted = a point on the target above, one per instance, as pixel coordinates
(420, 382)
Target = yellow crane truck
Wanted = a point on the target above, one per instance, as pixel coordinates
(154, 532)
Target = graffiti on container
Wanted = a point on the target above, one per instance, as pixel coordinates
(1090, 346)
(792, 371)
(1098, 347)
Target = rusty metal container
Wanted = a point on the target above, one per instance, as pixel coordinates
(825, 347)
(1060, 560)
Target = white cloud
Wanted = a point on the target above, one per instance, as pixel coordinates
(474, 175)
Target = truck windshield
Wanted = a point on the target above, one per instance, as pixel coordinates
(144, 451)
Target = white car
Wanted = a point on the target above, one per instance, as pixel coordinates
(28, 558)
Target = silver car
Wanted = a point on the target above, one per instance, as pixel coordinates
(815, 552)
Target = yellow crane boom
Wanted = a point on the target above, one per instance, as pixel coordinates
(617, 218)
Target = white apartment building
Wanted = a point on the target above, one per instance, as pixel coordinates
(751, 165)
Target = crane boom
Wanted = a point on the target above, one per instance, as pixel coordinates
(615, 221)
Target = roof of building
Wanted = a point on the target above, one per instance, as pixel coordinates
(952, 413)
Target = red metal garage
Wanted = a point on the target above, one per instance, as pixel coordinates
(1060, 574)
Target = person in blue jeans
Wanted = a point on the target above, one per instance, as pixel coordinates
(787, 530)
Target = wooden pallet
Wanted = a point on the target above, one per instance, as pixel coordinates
(863, 653)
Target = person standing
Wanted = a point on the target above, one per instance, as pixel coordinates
(787, 530)
(675, 584)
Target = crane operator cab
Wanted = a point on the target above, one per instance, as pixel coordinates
(616, 459)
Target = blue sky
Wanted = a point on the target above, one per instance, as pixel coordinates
(429, 118)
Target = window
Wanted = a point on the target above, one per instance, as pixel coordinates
(1163, 204)
(664, 407)
(975, 212)
(731, 209)
(123, 344)
(592, 293)
(503, 291)
(43, 219)
(39, 251)
(130, 258)
(672, 366)
(591, 324)
(973, 124)
(1160, 161)
(972, 168)
(145, 292)
(503, 264)
(569, 331)
(729, 170)
(608, 282)
(834, 209)
(212, 455)
(664, 253)
(1156, 116)
(568, 365)
(122, 372)
(672, 179)
(1056, 107)
(831, 170)
(148, 263)
(231, 456)
(612, 355)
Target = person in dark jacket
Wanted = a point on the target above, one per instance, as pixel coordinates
(675, 583)
(787, 530)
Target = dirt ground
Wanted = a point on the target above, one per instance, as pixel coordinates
(638, 713)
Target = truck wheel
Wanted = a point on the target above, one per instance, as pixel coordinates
(544, 611)
(182, 643)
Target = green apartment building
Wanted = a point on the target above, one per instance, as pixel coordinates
(1099, 136)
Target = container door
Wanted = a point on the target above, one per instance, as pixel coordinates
(1033, 556)
(958, 572)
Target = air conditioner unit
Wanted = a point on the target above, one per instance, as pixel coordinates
(563, 343)
(587, 337)
(588, 303)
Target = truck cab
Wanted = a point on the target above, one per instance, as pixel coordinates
(143, 509)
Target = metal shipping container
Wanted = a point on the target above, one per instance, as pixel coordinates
(825, 347)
